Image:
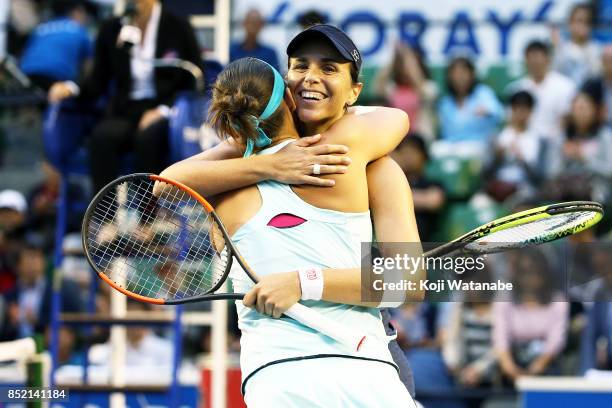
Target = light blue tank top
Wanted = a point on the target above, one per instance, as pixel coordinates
(326, 239)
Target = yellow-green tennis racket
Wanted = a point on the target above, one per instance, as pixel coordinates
(530, 227)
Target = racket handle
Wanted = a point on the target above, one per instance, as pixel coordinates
(323, 324)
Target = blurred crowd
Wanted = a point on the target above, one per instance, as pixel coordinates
(474, 152)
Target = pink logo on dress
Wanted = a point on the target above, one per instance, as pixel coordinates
(286, 220)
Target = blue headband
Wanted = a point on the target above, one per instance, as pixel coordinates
(278, 91)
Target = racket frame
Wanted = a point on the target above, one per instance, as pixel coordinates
(521, 218)
(231, 248)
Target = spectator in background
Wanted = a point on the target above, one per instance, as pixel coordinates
(250, 46)
(421, 330)
(469, 111)
(57, 49)
(144, 348)
(529, 333)
(515, 167)
(416, 326)
(468, 346)
(578, 58)
(13, 210)
(405, 85)
(587, 149)
(599, 318)
(552, 91)
(67, 352)
(601, 87)
(74, 263)
(29, 303)
(43, 201)
(23, 18)
(137, 118)
(428, 197)
(468, 350)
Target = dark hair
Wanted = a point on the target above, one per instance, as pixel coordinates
(595, 88)
(240, 95)
(570, 130)
(354, 74)
(64, 7)
(537, 46)
(417, 142)
(522, 98)
(310, 18)
(583, 6)
(467, 63)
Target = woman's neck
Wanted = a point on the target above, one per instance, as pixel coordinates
(315, 128)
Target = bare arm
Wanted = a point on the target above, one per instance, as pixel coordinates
(223, 168)
(508, 366)
(218, 170)
(394, 222)
(392, 209)
(414, 68)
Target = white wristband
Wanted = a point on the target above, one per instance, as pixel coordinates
(311, 282)
(164, 110)
(73, 87)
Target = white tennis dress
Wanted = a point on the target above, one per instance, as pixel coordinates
(284, 363)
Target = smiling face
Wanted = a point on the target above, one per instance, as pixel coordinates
(321, 85)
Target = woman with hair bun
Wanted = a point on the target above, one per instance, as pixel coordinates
(315, 56)
(313, 232)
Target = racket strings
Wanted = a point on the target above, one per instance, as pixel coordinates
(535, 231)
(158, 247)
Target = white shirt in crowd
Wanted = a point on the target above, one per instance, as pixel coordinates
(143, 86)
(152, 351)
(578, 62)
(518, 146)
(554, 97)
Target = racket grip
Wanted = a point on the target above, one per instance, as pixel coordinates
(323, 324)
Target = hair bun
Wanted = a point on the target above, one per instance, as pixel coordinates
(239, 97)
(244, 104)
